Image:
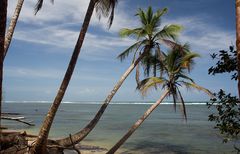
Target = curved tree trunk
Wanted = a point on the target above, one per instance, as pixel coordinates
(137, 124)
(3, 19)
(79, 136)
(40, 145)
(238, 41)
(12, 25)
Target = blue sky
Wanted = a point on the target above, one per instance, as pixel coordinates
(42, 46)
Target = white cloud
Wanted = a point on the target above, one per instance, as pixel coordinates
(202, 36)
(20, 72)
(71, 11)
(52, 73)
(61, 11)
(64, 38)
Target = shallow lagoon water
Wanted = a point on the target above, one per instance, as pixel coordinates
(163, 132)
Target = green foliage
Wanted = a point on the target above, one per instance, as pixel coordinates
(227, 117)
(150, 37)
(175, 65)
(227, 63)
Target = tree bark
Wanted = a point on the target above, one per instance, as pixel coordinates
(238, 41)
(40, 145)
(12, 25)
(137, 124)
(79, 136)
(3, 19)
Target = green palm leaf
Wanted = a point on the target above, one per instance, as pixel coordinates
(195, 86)
(182, 104)
(132, 48)
(180, 75)
(142, 16)
(187, 60)
(169, 31)
(148, 83)
(137, 32)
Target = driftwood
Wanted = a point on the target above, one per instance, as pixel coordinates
(19, 119)
(9, 132)
(13, 143)
(74, 147)
(16, 142)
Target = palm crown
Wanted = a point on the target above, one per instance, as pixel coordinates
(149, 37)
(176, 65)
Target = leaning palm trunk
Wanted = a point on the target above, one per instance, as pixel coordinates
(79, 136)
(238, 41)
(12, 25)
(40, 144)
(137, 124)
(3, 18)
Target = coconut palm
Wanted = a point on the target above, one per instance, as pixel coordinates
(3, 19)
(176, 64)
(12, 25)
(238, 41)
(103, 7)
(149, 36)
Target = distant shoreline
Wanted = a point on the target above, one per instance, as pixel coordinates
(113, 103)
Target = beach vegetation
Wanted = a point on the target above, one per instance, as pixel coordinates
(227, 110)
(176, 66)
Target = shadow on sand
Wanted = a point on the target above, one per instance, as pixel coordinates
(154, 148)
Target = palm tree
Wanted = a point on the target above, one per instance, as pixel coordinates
(149, 37)
(3, 19)
(103, 7)
(238, 41)
(175, 65)
(12, 25)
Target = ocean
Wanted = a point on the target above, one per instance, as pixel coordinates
(165, 130)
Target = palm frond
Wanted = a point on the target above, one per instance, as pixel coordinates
(189, 56)
(170, 43)
(137, 75)
(161, 57)
(156, 21)
(169, 31)
(187, 60)
(39, 4)
(174, 95)
(149, 15)
(142, 16)
(180, 75)
(106, 8)
(148, 83)
(147, 63)
(182, 105)
(195, 86)
(159, 13)
(137, 32)
(126, 52)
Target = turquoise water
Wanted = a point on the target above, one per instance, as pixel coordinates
(163, 132)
